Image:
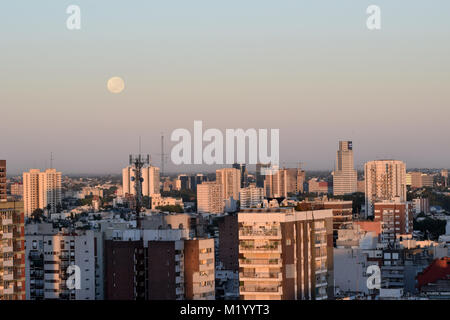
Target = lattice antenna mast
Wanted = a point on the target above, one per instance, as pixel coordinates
(137, 162)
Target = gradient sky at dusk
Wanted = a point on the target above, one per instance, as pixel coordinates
(310, 68)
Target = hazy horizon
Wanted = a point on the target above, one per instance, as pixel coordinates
(311, 69)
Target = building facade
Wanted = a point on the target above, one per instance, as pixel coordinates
(345, 176)
(284, 254)
(210, 198)
(385, 180)
(42, 190)
(12, 251)
(230, 179)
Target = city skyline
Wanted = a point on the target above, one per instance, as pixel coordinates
(293, 66)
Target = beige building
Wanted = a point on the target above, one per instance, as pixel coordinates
(158, 201)
(345, 176)
(3, 180)
(276, 183)
(230, 179)
(285, 254)
(150, 183)
(210, 198)
(12, 251)
(199, 269)
(385, 180)
(41, 190)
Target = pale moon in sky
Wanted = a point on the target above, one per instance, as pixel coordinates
(116, 85)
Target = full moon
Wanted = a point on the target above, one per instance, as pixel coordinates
(116, 85)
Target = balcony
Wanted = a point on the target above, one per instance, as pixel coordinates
(35, 256)
(262, 262)
(7, 222)
(260, 249)
(251, 234)
(258, 276)
(265, 290)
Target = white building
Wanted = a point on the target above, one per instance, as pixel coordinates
(251, 196)
(49, 256)
(150, 183)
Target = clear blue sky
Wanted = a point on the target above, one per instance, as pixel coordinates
(309, 68)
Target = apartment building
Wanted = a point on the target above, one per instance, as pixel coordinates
(385, 180)
(396, 218)
(244, 173)
(345, 175)
(150, 182)
(2, 180)
(251, 196)
(17, 190)
(158, 201)
(199, 269)
(230, 179)
(284, 254)
(210, 198)
(49, 254)
(158, 265)
(275, 183)
(12, 251)
(41, 190)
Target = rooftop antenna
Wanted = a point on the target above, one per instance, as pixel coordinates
(162, 154)
(137, 162)
(51, 160)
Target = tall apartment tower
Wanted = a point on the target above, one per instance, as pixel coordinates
(12, 251)
(385, 180)
(2, 180)
(276, 183)
(345, 176)
(244, 173)
(260, 174)
(41, 190)
(150, 183)
(210, 198)
(285, 254)
(230, 179)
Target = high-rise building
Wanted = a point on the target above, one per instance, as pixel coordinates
(345, 176)
(150, 182)
(251, 196)
(396, 218)
(260, 174)
(385, 180)
(17, 190)
(12, 251)
(42, 190)
(230, 179)
(2, 180)
(276, 183)
(158, 265)
(244, 173)
(210, 198)
(199, 269)
(285, 254)
(50, 253)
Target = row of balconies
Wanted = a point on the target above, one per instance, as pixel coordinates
(248, 261)
(266, 289)
(243, 276)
